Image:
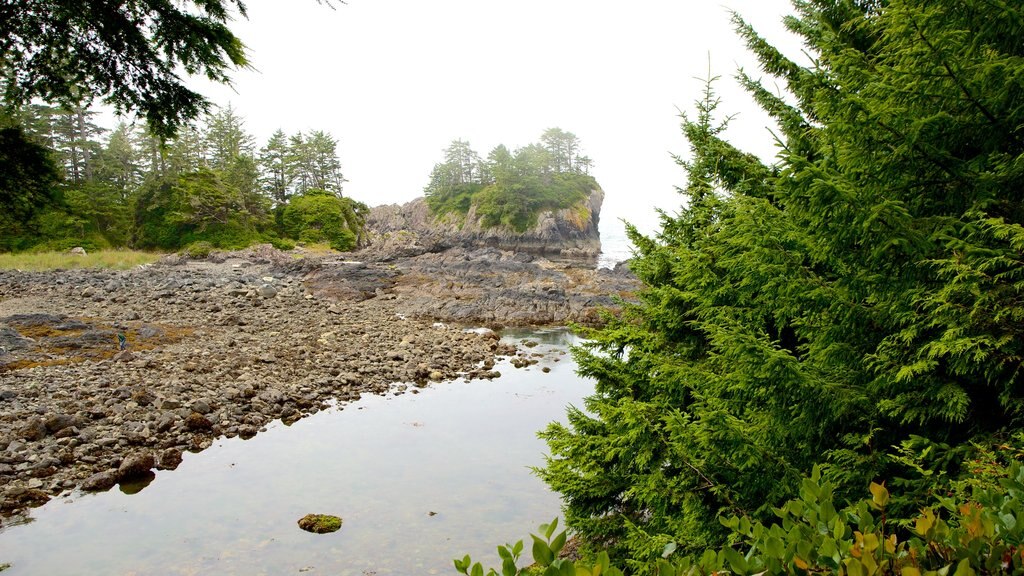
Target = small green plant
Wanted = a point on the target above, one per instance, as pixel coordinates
(545, 552)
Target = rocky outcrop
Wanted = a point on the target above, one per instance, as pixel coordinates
(409, 229)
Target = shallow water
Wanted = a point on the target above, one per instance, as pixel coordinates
(459, 450)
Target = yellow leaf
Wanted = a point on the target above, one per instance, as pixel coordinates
(799, 563)
(871, 542)
(924, 522)
(910, 571)
(879, 495)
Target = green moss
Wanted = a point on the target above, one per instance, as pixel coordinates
(320, 523)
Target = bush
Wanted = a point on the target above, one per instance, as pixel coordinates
(283, 244)
(982, 534)
(319, 216)
(198, 250)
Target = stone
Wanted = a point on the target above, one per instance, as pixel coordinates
(100, 481)
(135, 465)
(34, 429)
(57, 422)
(197, 422)
(169, 459)
(201, 407)
(77, 251)
(266, 291)
(320, 523)
(167, 404)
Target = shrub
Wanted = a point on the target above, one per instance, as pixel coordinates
(198, 250)
(319, 216)
(980, 534)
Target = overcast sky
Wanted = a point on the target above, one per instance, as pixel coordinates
(397, 80)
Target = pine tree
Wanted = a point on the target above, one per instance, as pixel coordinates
(859, 297)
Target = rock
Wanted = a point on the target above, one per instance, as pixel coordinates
(266, 291)
(169, 459)
(167, 404)
(57, 422)
(197, 422)
(100, 481)
(320, 523)
(34, 429)
(135, 466)
(77, 251)
(436, 376)
(201, 407)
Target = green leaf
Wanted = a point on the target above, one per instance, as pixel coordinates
(541, 552)
(551, 529)
(558, 543)
(504, 553)
(508, 567)
(964, 568)
(668, 549)
(478, 570)
(735, 560)
(774, 547)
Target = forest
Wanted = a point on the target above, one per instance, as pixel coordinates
(210, 186)
(511, 188)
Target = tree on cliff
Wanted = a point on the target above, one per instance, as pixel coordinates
(856, 306)
(510, 188)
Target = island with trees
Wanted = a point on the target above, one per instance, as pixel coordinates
(539, 199)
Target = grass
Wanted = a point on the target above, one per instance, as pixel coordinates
(114, 259)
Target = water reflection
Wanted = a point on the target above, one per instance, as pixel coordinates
(417, 478)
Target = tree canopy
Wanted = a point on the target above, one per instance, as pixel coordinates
(856, 306)
(511, 188)
(129, 53)
(74, 183)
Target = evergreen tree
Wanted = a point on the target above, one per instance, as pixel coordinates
(313, 160)
(275, 168)
(857, 300)
(128, 52)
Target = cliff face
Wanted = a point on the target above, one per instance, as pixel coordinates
(409, 230)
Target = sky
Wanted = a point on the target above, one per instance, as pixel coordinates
(395, 81)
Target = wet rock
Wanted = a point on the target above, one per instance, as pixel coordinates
(100, 481)
(135, 465)
(169, 459)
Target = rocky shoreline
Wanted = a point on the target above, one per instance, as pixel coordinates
(225, 346)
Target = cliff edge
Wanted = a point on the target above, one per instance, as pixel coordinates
(569, 234)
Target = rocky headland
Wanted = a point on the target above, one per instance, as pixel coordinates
(225, 345)
(567, 235)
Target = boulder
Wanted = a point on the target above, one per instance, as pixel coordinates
(320, 523)
(135, 465)
(100, 481)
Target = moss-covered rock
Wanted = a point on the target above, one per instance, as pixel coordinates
(320, 523)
